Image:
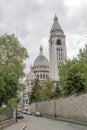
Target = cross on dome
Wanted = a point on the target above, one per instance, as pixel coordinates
(41, 50)
(55, 18)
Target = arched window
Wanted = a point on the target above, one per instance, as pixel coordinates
(58, 42)
(31, 83)
(43, 76)
(40, 76)
(46, 76)
(26, 101)
(51, 42)
(28, 83)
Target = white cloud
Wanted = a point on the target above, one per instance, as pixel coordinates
(31, 22)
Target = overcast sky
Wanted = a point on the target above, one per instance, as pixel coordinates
(31, 21)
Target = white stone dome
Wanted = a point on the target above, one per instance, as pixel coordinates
(41, 60)
(30, 75)
(41, 66)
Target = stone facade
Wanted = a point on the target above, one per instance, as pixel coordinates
(72, 108)
(41, 68)
(29, 82)
(40, 71)
(57, 49)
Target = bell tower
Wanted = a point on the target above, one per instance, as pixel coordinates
(57, 49)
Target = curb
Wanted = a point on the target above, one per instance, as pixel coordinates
(67, 120)
(20, 126)
(23, 127)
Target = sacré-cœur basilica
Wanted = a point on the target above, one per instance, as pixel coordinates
(42, 68)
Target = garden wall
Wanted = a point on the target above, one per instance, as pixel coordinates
(72, 108)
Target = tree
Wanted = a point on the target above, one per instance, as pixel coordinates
(73, 74)
(11, 85)
(12, 103)
(57, 91)
(83, 53)
(83, 62)
(34, 96)
(12, 56)
(48, 90)
(70, 77)
(2, 90)
(42, 90)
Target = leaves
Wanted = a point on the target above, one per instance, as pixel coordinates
(12, 103)
(12, 56)
(73, 74)
(42, 90)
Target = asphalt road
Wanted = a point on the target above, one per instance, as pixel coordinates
(40, 123)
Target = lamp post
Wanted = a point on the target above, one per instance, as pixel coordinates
(54, 108)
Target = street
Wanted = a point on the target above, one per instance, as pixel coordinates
(40, 123)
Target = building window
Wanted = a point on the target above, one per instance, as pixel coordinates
(31, 83)
(61, 55)
(46, 76)
(28, 84)
(40, 76)
(58, 42)
(26, 101)
(51, 43)
(43, 76)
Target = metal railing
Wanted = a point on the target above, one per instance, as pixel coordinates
(6, 114)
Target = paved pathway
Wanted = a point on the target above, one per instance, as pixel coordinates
(40, 123)
(20, 125)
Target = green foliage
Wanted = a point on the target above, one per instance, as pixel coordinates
(12, 103)
(83, 61)
(83, 53)
(34, 89)
(73, 74)
(2, 90)
(48, 89)
(11, 85)
(57, 91)
(42, 90)
(12, 56)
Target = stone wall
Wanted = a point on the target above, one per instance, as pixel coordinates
(72, 108)
(6, 123)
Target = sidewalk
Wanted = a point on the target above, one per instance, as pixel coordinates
(16, 126)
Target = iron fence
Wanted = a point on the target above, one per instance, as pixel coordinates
(6, 114)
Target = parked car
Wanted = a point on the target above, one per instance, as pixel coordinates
(24, 112)
(29, 113)
(19, 116)
(38, 114)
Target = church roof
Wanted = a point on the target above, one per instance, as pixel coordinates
(56, 26)
(41, 60)
(30, 75)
